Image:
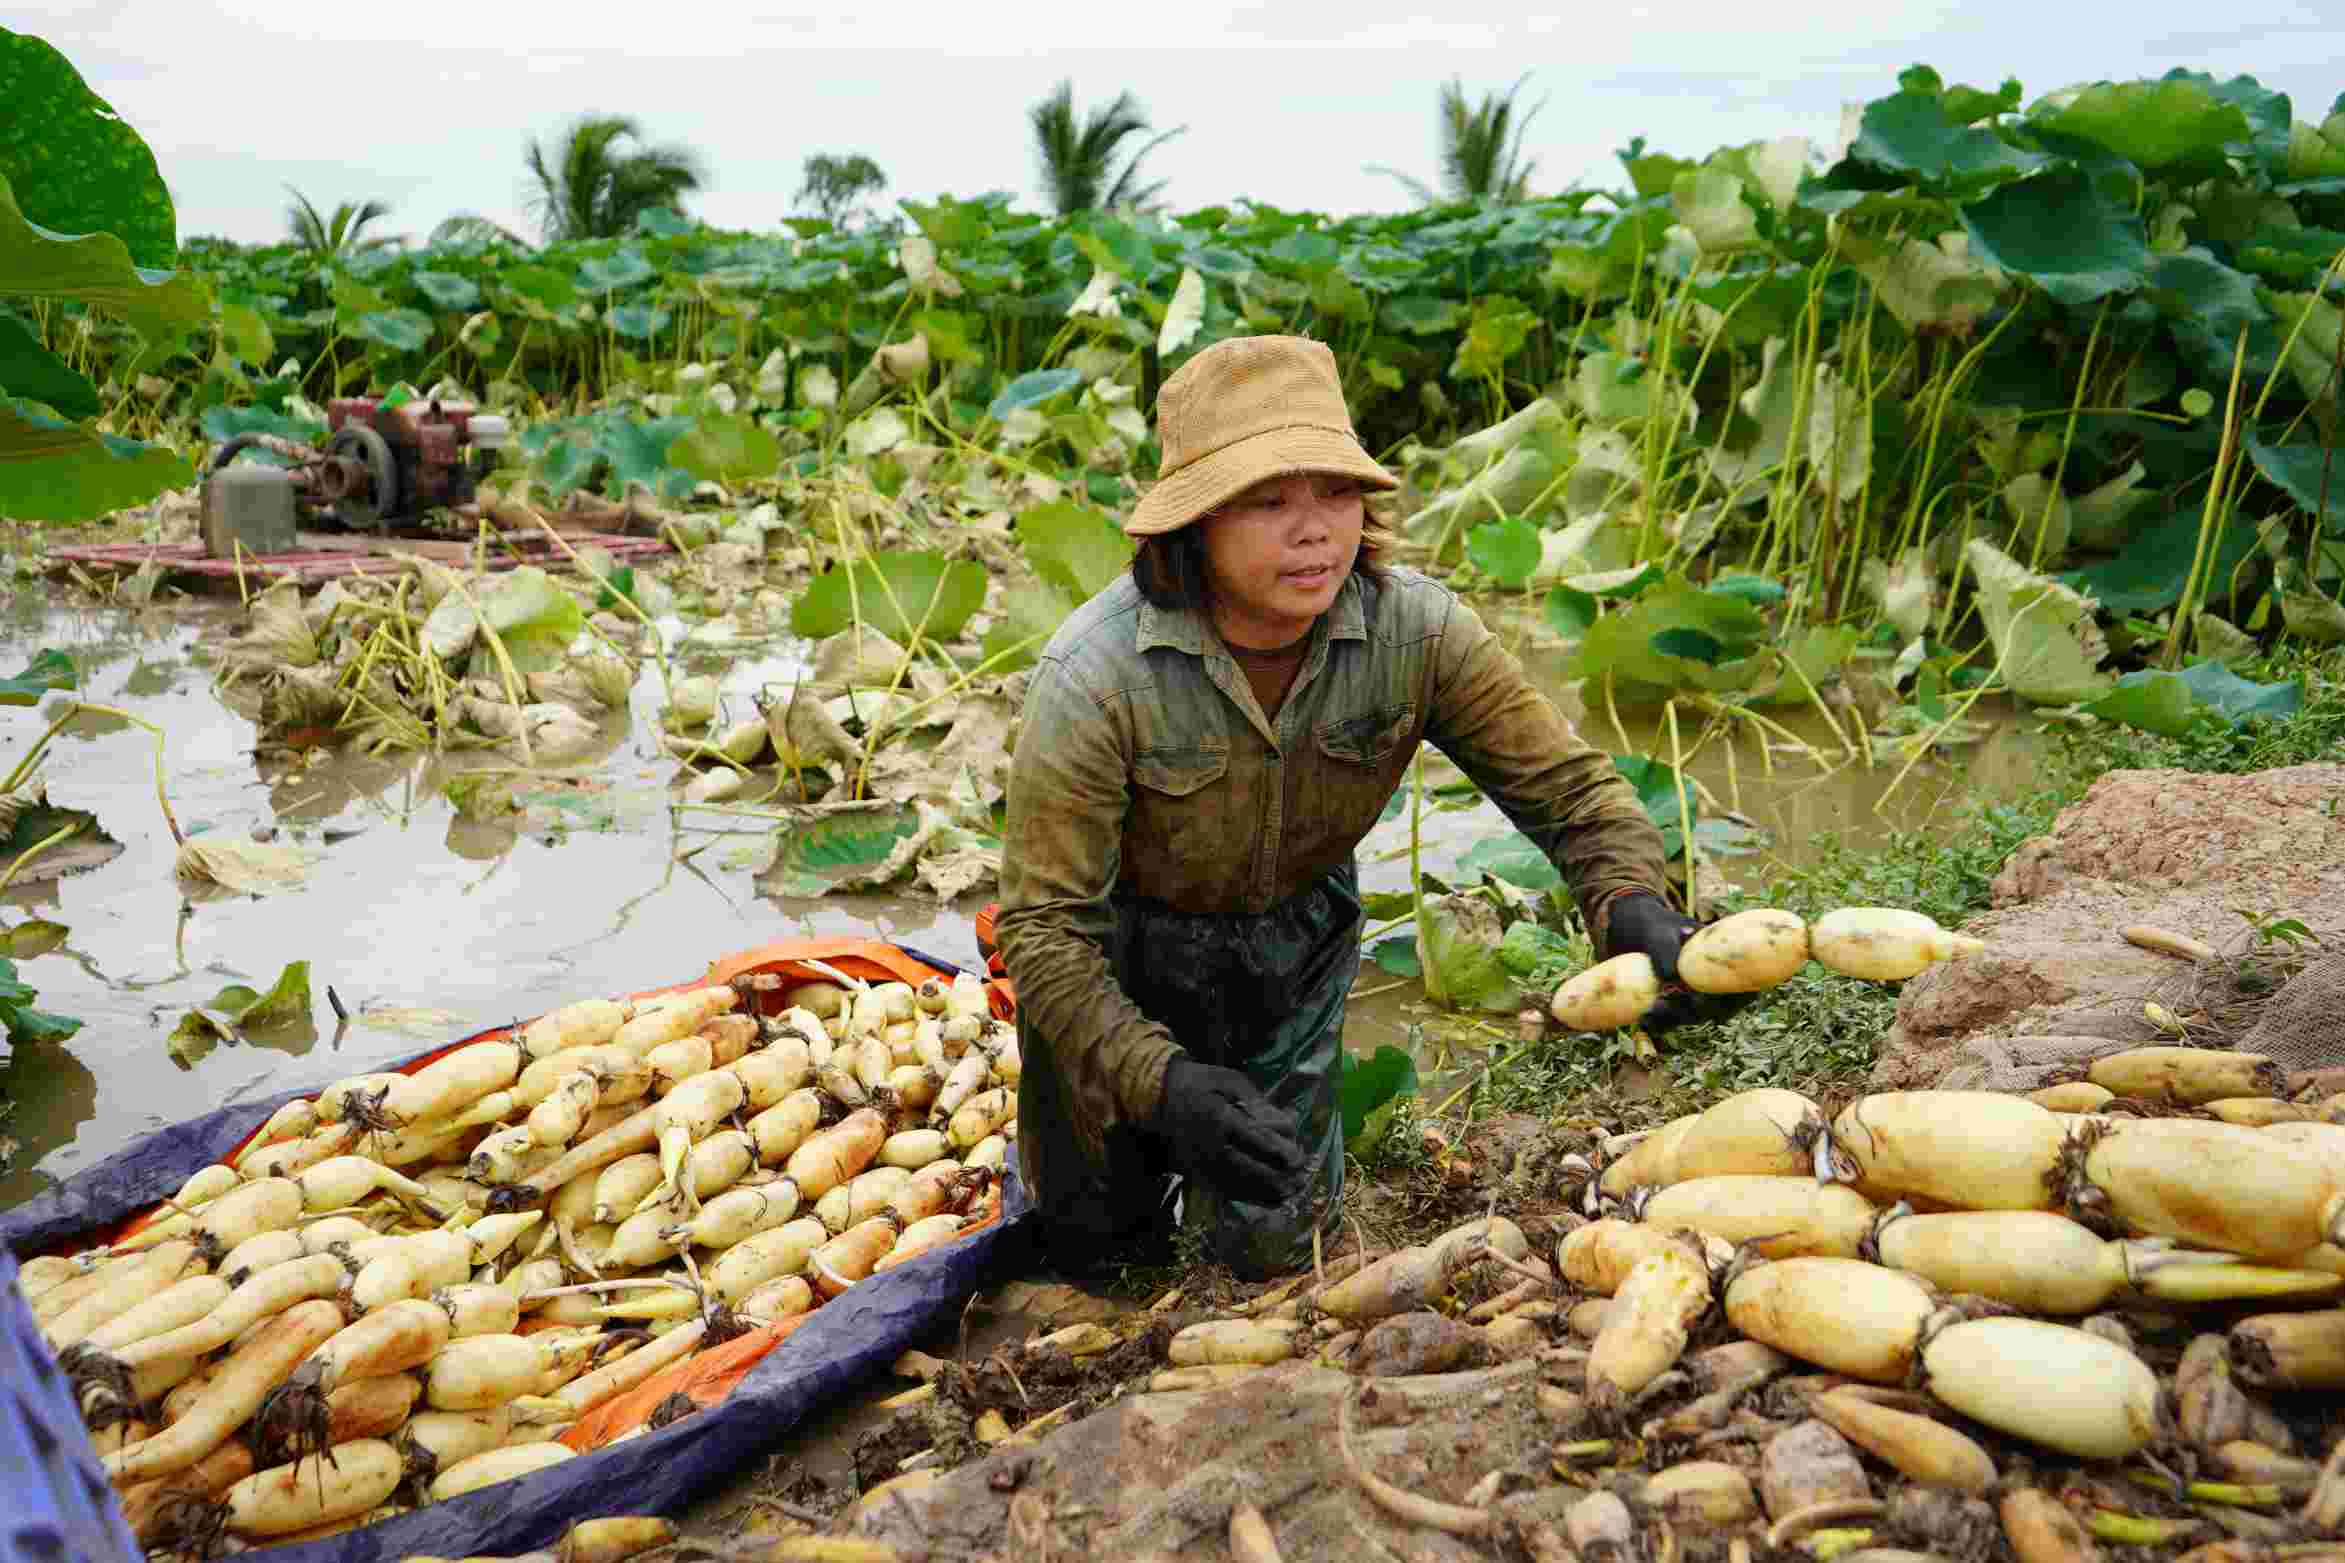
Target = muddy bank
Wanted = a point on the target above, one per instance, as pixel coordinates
(2230, 862)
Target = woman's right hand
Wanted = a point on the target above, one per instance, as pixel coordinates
(1218, 1126)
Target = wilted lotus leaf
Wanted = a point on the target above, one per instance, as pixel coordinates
(1938, 285)
(302, 697)
(1840, 436)
(610, 679)
(692, 703)
(804, 732)
(557, 734)
(1185, 316)
(2048, 648)
(917, 255)
(713, 786)
(860, 657)
(244, 867)
(2099, 519)
(1773, 406)
(276, 633)
(1906, 591)
(2312, 615)
(433, 581)
(817, 386)
(2040, 519)
(904, 362)
(1098, 297)
(879, 430)
(2219, 640)
(1457, 945)
(1709, 202)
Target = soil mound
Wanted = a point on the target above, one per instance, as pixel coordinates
(2208, 857)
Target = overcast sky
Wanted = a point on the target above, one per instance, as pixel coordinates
(428, 104)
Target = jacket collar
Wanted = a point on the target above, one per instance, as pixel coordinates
(1186, 629)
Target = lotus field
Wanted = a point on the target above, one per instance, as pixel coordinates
(2004, 394)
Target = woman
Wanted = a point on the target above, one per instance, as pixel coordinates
(1204, 744)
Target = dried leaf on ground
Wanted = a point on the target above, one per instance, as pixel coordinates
(243, 867)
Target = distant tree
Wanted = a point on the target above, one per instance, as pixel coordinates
(1079, 168)
(588, 186)
(331, 238)
(1479, 146)
(471, 228)
(836, 184)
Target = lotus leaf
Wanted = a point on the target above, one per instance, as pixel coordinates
(2309, 615)
(49, 670)
(1457, 945)
(243, 867)
(33, 372)
(2063, 233)
(1369, 1093)
(903, 594)
(2173, 704)
(2154, 569)
(1910, 135)
(726, 449)
(1925, 284)
(2218, 640)
(2154, 125)
(1906, 590)
(1507, 551)
(1709, 202)
(2047, 648)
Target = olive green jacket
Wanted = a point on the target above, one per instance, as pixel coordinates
(1144, 764)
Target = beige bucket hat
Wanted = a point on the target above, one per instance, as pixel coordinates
(1243, 410)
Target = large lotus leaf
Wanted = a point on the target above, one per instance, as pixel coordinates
(725, 448)
(542, 290)
(1369, 1092)
(2047, 647)
(1911, 136)
(2039, 513)
(1457, 943)
(2312, 349)
(245, 332)
(52, 470)
(2155, 125)
(1926, 284)
(1073, 547)
(1541, 422)
(1507, 551)
(623, 268)
(402, 330)
(95, 268)
(2313, 154)
(1513, 857)
(1675, 636)
(1031, 612)
(533, 616)
(1510, 486)
(76, 165)
(842, 851)
(1422, 313)
(2061, 232)
(446, 289)
(1032, 389)
(2288, 253)
(640, 322)
(2173, 703)
(1710, 203)
(2267, 113)
(1756, 305)
(1603, 264)
(30, 370)
(1500, 327)
(2308, 473)
(50, 670)
(2194, 285)
(900, 594)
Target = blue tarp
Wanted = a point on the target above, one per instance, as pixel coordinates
(849, 1339)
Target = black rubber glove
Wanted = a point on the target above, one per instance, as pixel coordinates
(1219, 1127)
(1640, 920)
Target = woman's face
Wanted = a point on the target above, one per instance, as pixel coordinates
(1278, 553)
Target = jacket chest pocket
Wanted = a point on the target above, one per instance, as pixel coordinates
(1357, 761)
(1176, 772)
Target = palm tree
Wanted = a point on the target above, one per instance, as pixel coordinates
(1077, 161)
(587, 187)
(837, 183)
(331, 238)
(1480, 148)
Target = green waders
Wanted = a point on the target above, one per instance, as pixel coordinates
(1264, 994)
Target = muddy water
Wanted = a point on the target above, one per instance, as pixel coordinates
(426, 924)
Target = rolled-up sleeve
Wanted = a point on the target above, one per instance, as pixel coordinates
(1559, 790)
(1061, 851)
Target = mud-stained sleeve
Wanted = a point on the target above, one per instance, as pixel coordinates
(1559, 790)
(1061, 849)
